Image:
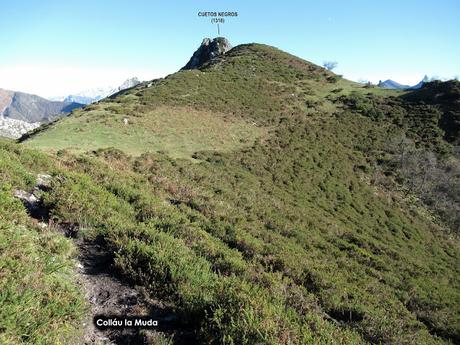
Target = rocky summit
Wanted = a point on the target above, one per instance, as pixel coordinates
(208, 50)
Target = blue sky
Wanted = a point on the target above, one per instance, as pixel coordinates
(58, 47)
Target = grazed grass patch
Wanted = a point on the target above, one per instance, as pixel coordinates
(177, 131)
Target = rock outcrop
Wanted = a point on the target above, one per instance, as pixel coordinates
(33, 200)
(129, 83)
(208, 50)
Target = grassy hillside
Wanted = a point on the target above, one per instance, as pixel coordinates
(222, 107)
(40, 302)
(244, 194)
(177, 131)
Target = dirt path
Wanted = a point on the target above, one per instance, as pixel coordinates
(108, 294)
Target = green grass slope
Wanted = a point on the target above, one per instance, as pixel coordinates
(274, 233)
(217, 108)
(40, 302)
(177, 131)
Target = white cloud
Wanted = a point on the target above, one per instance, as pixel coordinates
(50, 81)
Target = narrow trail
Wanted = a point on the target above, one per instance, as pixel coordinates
(106, 292)
(107, 296)
(110, 296)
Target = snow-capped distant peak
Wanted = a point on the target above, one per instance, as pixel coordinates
(95, 94)
(128, 83)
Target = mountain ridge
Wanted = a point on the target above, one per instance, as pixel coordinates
(391, 84)
(265, 199)
(21, 111)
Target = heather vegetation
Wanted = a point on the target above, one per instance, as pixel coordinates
(312, 210)
(40, 302)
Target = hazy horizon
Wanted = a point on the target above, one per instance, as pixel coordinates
(56, 49)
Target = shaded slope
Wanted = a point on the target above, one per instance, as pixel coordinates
(446, 97)
(31, 108)
(21, 112)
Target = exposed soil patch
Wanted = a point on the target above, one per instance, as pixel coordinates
(107, 293)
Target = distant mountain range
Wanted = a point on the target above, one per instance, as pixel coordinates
(21, 112)
(96, 94)
(391, 84)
